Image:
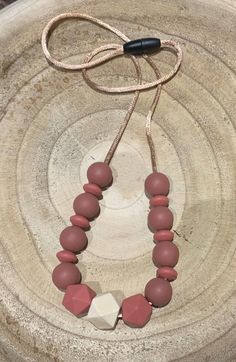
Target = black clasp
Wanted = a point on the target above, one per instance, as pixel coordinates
(142, 46)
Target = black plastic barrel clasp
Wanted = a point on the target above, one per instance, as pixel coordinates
(142, 46)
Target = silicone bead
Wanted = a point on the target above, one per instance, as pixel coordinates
(165, 253)
(168, 273)
(74, 239)
(65, 274)
(158, 291)
(136, 311)
(103, 311)
(159, 200)
(93, 189)
(160, 218)
(80, 221)
(86, 205)
(100, 174)
(157, 184)
(164, 235)
(66, 256)
(78, 298)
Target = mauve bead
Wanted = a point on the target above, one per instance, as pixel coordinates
(80, 221)
(164, 235)
(160, 218)
(136, 311)
(165, 253)
(66, 274)
(86, 205)
(66, 256)
(100, 173)
(93, 189)
(73, 239)
(157, 184)
(158, 291)
(159, 200)
(166, 272)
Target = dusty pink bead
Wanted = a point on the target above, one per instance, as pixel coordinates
(157, 184)
(164, 235)
(66, 256)
(65, 274)
(160, 218)
(78, 298)
(159, 200)
(158, 291)
(86, 205)
(93, 189)
(165, 253)
(100, 173)
(80, 221)
(74, 239)
(166, 272)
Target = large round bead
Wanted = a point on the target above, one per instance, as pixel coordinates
(160, 218)
(165, 253)
(66, 274)
(157, 184)
(100, 174)
(86, 205)
(158, 291)
(74, 239)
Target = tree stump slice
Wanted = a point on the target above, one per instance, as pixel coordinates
(53, 126)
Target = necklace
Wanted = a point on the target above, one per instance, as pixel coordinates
(104, 310)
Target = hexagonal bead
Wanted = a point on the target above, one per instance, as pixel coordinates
(78, 298)
(136, 311)
(103, 311)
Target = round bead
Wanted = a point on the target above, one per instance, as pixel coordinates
(158, 291)
(160, 218)
(86, 205)
(168, 273)
(159, 200)
(100, 174)
(164, 235)
(80, 221)
(93, 189)
(66, 256)
(157, 184)
(73, 239)
(65, 274)
(165, 253)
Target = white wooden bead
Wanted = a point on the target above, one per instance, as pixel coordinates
(103, 311)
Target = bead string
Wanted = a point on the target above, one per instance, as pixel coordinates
(103, 310)
(117, 50)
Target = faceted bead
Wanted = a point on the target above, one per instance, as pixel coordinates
(86, 205)
(136, 311)
(100, 174)
(158, 291)
(78, 298)
(103, 311)
(74, 239)
(65, 274)
(166, 272)
(165, 253)
(159, 200)
(66, 256)
(93, 189)
(157, 184)
(160, 218)
(80, 221)
(164, 235)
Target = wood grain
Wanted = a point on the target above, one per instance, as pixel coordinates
(53, 126)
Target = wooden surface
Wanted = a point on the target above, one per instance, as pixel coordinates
(53, 126)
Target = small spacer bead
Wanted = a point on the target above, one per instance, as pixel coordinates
(164, 235)
(166, 272)
(159, 200)
(66, 256)
(80, 221)
(93, 189)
